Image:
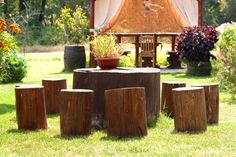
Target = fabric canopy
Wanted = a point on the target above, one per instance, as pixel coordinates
(152, 16)
(105, 11)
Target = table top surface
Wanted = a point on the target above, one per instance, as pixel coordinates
(119, 70)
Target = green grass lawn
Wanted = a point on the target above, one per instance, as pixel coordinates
(218, 140)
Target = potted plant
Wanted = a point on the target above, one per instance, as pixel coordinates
(75, 28)
(106, 51)
(194, 45)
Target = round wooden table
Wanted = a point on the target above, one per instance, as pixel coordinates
(101, 80)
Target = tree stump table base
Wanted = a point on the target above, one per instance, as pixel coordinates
(101, 80)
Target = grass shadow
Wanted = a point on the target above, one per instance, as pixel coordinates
(53, 115)
(153, 123)
(21, 131)
(175, 132)
(71, 137)
(123, 139)
(7, 108)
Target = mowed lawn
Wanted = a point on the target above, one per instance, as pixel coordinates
(218, 140)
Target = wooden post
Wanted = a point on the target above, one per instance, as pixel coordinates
(212, 102)
(136, 50)
(52, 89)
(76, 111)
(200, 12)
(92, 61)
(126, 112)
(155, 51)
(190, 109)
(173, 39)
(30, 107)
(118, 39)
(166, 100)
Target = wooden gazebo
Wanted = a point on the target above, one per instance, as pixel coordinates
(133, 18)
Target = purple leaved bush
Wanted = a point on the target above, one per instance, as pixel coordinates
(195, 43)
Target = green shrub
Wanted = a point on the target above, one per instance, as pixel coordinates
(13, 68)
(126, 61)
(47, 35)
(227, 57)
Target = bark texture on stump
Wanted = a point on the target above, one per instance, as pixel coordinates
(126, 112)
(76, 112)
(166, 99)
(30, 107)
(212, 102)
(52, 88)
(190, 109)
(101, 80)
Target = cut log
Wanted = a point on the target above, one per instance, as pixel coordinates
(101, 80)
(212, 102)
(52, 88)
(76, 111)
(126, 112)
(166, 99)
(190, 109)
(30, 107)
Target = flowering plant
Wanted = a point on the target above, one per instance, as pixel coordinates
(7, 40)
(104, 46)
(195, 43)
(74, 25)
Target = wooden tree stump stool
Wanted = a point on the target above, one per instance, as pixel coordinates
(30, 107)
(212, 102)
(190, 109)
(76, 111)
(52, 88)
(166, 100)
(126, 112)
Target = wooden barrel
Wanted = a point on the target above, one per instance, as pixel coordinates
(74, 57)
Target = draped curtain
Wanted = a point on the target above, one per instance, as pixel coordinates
(187, 10)
(106, 11)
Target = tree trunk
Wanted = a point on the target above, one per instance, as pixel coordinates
(126, 112)
(22, 6)
(189, 109)
(42, 11)
(52, 88)
(76, 112)
(166, 100)
(212, 102)
(30, 107)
